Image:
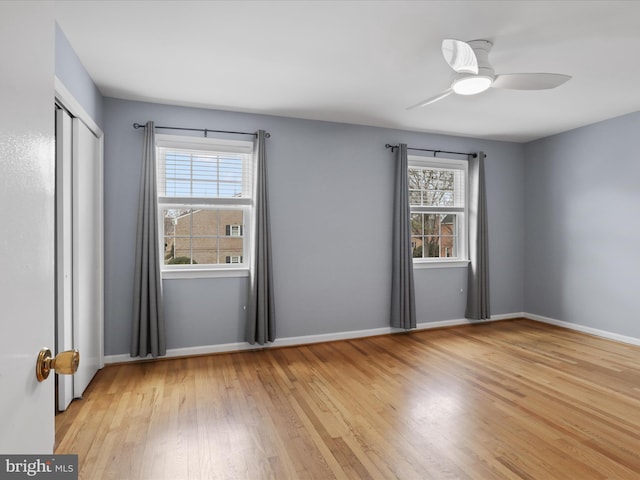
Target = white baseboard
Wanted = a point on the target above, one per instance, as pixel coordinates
(329, 337)
(303, 340)
(183, 352)
(581, 328)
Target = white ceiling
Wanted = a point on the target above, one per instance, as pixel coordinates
(364, 62)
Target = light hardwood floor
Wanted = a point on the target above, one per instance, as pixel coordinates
(504, 400)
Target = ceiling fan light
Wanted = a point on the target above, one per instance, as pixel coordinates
(471, 85)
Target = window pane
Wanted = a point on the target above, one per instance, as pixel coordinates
(205, 236)
(416, 223)
(430, 198)
(448, 246)
(431, 226)
(230, 246)
(203, 188)
(178, 188)
(415, 178)
(204, 222)
(177, 166)
(446, 199)
(205, 250)
(188, 173)
(436, 187)
(231, 223)
(231, 169)
(434, 235)
(416, 246)
(180, 251)
(440, 187)
(432, 247)
(230, 190)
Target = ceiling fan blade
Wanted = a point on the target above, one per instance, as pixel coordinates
(530, 81)
(431, 100)
(460, 56)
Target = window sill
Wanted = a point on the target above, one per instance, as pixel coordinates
(202, 273)
(440, 264)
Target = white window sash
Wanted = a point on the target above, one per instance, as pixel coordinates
(204, 201)
(246, 247)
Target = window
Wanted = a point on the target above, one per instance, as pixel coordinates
(233, 230)
(204, 202)
(438, 202)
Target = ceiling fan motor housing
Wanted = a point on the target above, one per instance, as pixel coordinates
(482, 48)
(470, 83)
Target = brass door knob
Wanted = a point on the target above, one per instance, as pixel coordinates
(65, 363)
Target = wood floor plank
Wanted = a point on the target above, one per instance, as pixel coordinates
(502, 400)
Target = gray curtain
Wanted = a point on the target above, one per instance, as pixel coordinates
(148, 334)
(478, 307)
(403, 305)
(261, 322)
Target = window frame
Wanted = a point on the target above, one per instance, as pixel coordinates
(462, 213)
(244, 203)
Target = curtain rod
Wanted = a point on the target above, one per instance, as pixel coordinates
(205, 130)
(435, 152)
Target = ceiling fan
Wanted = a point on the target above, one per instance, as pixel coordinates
(474, 73)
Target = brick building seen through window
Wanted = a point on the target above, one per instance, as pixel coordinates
(203, 236)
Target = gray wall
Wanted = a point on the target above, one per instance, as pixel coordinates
(331, 213)
(331, 194)
(73, 75)
(582, 248)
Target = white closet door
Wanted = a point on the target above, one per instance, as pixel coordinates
(64, 235)
(87, 254)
